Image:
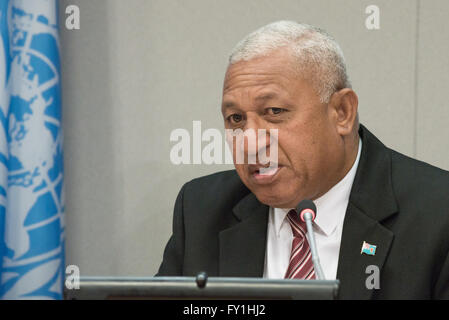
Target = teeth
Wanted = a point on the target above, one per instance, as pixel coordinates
(268, 171)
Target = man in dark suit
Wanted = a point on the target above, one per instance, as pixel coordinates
(291, 77)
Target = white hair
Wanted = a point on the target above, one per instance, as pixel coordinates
(317, 54)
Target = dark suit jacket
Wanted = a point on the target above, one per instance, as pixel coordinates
(397, 203)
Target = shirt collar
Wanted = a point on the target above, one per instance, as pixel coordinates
(331, 207)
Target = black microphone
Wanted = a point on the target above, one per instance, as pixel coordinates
(306, 211)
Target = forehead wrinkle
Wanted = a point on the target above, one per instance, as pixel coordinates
(247, 79)
(253, 80)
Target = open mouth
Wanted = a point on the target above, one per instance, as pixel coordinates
(264, 174)
(269, 171)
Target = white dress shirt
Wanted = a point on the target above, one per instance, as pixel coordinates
(328, 226)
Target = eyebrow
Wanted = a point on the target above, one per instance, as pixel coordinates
(263, 97)
(266, 96)
(227, 105)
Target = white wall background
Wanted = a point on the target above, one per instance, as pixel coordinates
(138, 69)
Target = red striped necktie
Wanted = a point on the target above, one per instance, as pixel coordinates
(301, 265)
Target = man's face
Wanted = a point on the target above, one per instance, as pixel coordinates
(265, 93)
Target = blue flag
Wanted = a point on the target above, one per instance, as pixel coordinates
(31, 157)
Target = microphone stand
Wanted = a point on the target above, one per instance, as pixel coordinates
(315, 258)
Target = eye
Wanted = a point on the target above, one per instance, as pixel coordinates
(274, 111)
(235, 118)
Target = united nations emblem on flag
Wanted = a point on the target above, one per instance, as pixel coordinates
(31, 155)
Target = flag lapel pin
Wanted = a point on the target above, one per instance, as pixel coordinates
(368, 249)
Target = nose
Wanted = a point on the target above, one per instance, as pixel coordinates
(257, 141)
(254, 142)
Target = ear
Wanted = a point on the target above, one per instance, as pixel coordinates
(344, 104)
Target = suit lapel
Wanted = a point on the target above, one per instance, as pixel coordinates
(242, 247)
(371, 202)
(352, 267)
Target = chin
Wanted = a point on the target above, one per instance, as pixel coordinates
(278, 194)
(274, 199)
